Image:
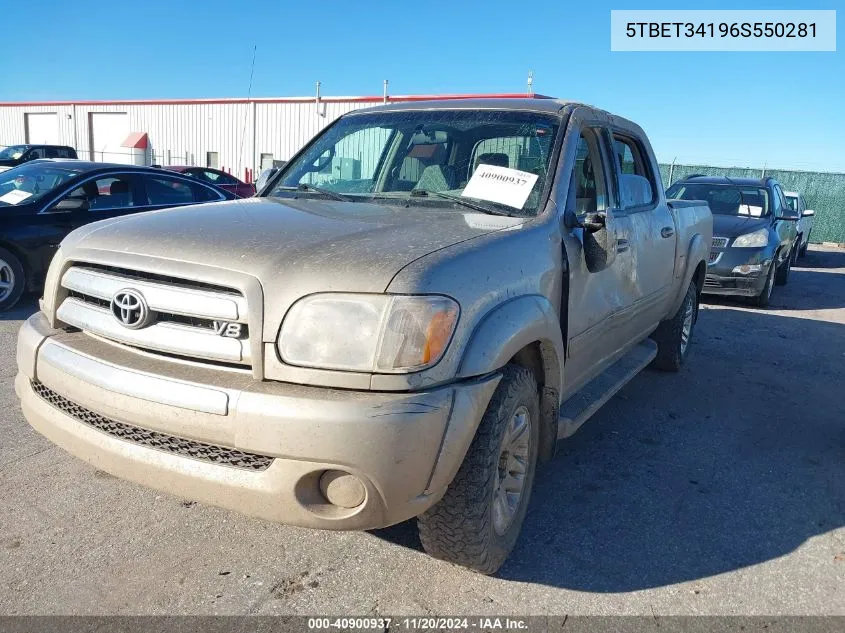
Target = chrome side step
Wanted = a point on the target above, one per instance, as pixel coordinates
(592, 396)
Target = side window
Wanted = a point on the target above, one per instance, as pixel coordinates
(107, 192)
(52, 152)
(777, 202)
(588, 184)
(37, 152)
(162, 190)
(637, 187)
(63, 152)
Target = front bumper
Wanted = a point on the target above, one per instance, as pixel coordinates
(405, 448)
(721, 278)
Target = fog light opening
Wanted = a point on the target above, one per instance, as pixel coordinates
(342, 489)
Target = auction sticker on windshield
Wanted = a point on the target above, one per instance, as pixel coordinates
(15, 196)
(750, 209)
(500, 184)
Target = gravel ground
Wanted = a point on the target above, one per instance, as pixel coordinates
(718, 490)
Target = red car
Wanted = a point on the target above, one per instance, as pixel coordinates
(217, 178)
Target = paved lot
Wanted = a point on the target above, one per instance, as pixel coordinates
(719, 490)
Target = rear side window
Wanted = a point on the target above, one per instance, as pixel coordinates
(637, 183)
(162, 190)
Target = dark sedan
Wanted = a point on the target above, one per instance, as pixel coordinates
(754, 234)
(44, 200)
(18, 154)
(217, 178)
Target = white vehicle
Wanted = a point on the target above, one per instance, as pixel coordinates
(795, 201)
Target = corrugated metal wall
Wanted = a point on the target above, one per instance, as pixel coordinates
(183, 133)
(824, 192)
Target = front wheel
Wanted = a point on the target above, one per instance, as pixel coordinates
(12, 280)
(762, 299)
(478, 520)
(673, 336)
(782, 275)
(803, 252)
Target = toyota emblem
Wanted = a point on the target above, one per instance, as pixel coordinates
(130, 309)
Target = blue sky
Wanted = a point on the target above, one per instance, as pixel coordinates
(783, 109)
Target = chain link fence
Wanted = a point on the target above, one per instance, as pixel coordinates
(824, 192)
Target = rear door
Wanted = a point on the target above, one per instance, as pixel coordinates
(654, 241)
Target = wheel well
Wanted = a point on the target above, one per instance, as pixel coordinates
(531, 358)
(540, 360)
(698, 276)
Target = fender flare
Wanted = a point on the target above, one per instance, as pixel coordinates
(508, 328)
(697, 252)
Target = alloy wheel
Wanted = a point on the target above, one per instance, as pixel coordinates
(513, 466)
(7, 279)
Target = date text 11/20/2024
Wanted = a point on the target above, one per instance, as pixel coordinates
(419, 623)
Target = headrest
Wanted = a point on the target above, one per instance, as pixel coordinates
(636, 190)
(119, 187)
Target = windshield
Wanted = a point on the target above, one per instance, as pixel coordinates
(494, 160)
(12, 153)
(725, 199)
(31, 181)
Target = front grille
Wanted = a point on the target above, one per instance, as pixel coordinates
(211, 453)
(709, 282)
(184, 319)
(714, 257)
(720, 242)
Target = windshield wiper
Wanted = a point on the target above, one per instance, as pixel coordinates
(421, 193)
(304, 186)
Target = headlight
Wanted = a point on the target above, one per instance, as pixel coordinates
(759, 237)
(369, 333)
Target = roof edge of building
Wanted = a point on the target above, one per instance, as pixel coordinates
(244, 100)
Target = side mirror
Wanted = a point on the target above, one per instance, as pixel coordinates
(71, 203)
(808, 213)
(600, 243)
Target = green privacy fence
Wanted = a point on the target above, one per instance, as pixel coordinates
(823, 192)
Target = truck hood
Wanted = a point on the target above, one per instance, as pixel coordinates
(735, 225)
(294, 247)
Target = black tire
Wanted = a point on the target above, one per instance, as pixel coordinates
(803, 252)
(672, 351)
(782, 274)
(12, 279)
(762, 299)
(460, 527)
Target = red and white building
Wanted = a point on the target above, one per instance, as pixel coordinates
(239, 135)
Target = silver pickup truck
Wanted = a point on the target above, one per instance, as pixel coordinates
(411, 314)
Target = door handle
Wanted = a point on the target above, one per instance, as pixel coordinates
(667, 231)
(621, 246)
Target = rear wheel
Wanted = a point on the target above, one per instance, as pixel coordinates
(12, 279)
(673, 336)
(478, 520)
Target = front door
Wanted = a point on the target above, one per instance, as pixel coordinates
(593, 336)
